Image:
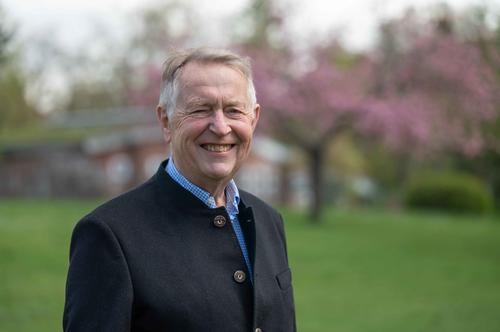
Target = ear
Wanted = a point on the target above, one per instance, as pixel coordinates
(161, 115)
(256, 112)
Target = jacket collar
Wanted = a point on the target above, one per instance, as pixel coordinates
(182, 198)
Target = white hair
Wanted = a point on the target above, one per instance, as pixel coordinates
(177, 60)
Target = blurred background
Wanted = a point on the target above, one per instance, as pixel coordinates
(379, 142)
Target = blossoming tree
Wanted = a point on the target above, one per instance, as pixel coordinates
(433, 96)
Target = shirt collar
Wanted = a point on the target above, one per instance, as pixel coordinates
(232, 193)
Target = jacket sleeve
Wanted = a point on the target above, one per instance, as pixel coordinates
(99, 290)
(283, 236)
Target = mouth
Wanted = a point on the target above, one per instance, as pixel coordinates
(217, 147)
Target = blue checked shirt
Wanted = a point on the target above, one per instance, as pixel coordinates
(232, 201)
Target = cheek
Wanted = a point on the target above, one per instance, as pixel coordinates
(189, 129)
(245, 130)
(244, 133)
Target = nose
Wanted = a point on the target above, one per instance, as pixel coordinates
(218, 124)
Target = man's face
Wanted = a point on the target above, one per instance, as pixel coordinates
(211, 129)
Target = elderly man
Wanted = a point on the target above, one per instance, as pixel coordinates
(187, 251)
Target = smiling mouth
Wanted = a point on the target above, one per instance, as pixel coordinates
(217, 147)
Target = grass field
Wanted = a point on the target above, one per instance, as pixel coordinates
(360, 271)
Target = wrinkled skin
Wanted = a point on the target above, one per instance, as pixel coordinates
(211, 129)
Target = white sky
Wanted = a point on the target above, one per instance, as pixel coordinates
(71, 21)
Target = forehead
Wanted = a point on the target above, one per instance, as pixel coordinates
(198, 77)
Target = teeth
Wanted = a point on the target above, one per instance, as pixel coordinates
(217, 147)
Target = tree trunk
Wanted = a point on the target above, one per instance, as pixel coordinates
(316, 158)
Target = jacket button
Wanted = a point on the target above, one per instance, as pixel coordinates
(219, 221)
(258, 330)
(239, 276)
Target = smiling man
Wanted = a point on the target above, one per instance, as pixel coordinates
(187, 250)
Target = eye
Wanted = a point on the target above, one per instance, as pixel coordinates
(234, 111)
(199, 111)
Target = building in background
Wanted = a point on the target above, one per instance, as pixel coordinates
(119, 149)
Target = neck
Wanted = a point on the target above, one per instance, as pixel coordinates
(220, 201)
(216, 187)
(217, 190)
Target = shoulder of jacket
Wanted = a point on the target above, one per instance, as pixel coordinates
(124, 205)
(257, 203)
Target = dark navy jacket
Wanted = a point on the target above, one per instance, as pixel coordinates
(153, 259)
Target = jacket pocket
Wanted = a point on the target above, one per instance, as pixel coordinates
(284, 279)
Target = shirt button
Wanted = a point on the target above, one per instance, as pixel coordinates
(258, 330)
(239, 276)
(219, 221)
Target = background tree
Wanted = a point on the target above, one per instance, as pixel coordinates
(447, 75)
(474, 27)
(14, 110)
(158, 30)
(421, 94)
(446, 81)
(104, 72)
(308, 106)
(5, 37)
(258, 25)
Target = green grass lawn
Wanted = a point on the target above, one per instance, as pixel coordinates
(359, 271)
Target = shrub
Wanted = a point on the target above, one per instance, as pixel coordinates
(450, 191)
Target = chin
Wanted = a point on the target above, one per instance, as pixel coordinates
(220, 173)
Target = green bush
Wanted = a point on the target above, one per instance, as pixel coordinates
(450, 191)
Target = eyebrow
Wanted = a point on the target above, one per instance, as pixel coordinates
(199, 101)
(235, 103)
